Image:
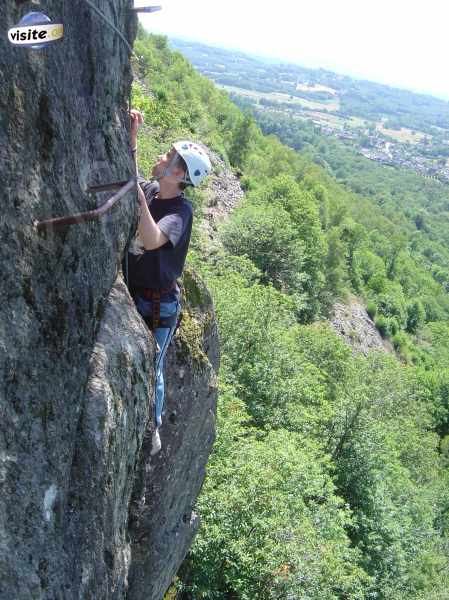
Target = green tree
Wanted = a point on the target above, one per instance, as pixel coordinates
(272, 527)
(241, 141)
(284, 194)
(415, 316)
(269, 239)
(352, 235)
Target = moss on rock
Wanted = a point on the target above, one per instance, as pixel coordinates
(191, 338)
(196, 317)
(195, 292)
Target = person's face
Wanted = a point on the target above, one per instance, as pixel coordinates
(163, 160)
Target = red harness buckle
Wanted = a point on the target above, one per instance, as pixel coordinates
(155, 296)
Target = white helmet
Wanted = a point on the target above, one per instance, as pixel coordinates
(196, 159)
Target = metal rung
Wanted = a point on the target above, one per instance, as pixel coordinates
(90, 215)
(105, 187)
(146, 9)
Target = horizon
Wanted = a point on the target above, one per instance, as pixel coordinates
(278, 60)
(397, 45)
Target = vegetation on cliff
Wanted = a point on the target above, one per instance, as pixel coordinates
(329, 477)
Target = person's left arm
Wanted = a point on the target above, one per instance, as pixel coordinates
(175, 224)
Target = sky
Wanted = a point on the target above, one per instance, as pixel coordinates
(401, 43)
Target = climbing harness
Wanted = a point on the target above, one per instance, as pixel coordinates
(154, 295)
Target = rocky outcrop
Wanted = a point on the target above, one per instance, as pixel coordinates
(77, 486)
(113, 420)
(353, 323)
(163, 522)
(223, 195)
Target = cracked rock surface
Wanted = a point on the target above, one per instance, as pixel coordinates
(77, 485)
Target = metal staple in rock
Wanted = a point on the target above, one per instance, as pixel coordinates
(90, 215)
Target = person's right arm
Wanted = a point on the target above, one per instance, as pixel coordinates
(134, 150)
(135, 157)
(149, 232)
(136, 120)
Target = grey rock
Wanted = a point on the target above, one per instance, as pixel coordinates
(76, 359)
(356, 327)
(223, 193)
(115, 415)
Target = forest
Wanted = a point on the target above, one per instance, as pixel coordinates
(329, 475)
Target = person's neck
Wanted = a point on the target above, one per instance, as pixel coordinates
(168, 190)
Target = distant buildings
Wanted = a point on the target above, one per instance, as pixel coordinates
(378, 148)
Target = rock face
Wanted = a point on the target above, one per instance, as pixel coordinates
(353, 323)
(76, 359)
(111, 427)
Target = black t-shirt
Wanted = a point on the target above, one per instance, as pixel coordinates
(160, 267)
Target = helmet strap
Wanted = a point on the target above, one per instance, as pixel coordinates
(168, 171)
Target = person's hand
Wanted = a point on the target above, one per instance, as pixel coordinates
(141, 195)
(136, 120)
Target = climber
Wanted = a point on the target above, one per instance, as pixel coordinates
(157, 253)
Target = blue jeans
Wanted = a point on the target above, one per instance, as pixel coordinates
(163, 336)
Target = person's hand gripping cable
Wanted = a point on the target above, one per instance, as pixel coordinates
(136, 121)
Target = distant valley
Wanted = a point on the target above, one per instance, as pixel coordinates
(386, 125)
